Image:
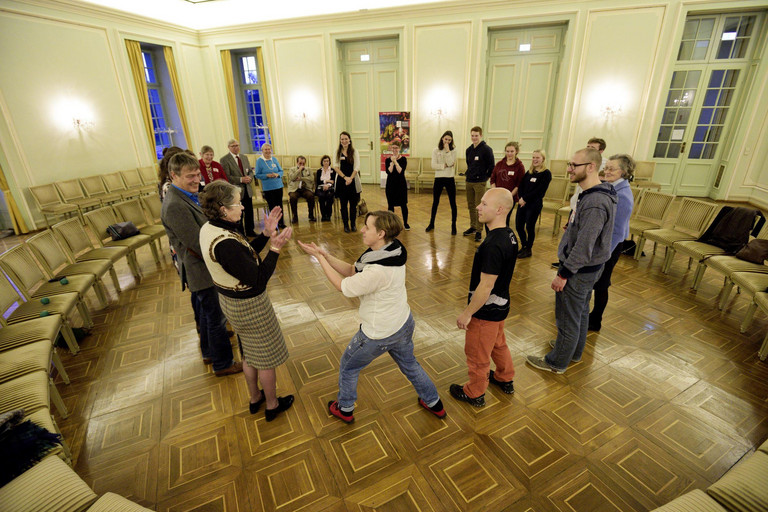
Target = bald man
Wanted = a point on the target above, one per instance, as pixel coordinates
(488, 303)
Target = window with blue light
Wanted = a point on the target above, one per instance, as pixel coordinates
(252, 95)
(159, 125)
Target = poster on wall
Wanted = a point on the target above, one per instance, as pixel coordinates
(393, 127)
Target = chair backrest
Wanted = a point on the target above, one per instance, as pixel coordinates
(148, 174)
(114, 182)
(461, 165)
(93, 186)
(313, 162)
(251, 158)
(557, 190)
(644, 170)
(637, 193)
(654, 206)
(154, 207)
(131, 178)
(9, 296)
(22, 268)
(131, 211)
(426, 166)
(694, 216)
(45, 195)
(99, 220)
(49, 252)
(557, 167)
(73, 236)
(70, 190)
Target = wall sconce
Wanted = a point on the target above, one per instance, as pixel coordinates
(439, 113)
(82, 124)
(609, 111)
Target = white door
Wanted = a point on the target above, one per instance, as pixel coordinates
(371, 85)
(522, 73)
(712, 68)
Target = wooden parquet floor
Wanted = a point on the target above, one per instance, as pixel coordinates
(666, 399)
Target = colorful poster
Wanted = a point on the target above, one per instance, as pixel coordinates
(395, 126)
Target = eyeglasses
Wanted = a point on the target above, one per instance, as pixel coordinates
(235, 205)
(574, 165)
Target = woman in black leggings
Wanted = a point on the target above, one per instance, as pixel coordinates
(348, 186)
(444, 164)
(532, 190)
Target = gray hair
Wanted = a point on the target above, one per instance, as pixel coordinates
(626, 164)
(232, 141)
(216, 194)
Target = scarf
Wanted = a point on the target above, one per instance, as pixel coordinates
(391, 255)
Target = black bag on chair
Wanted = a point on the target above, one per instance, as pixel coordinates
(122, 230)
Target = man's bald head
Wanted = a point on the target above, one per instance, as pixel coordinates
(501, 197)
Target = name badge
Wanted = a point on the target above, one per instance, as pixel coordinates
(511, 173)
(343, 157)
(533, 180)
(477, 158)
(572, 216)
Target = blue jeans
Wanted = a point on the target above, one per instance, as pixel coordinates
(362, 350)
(572, 317)
(214, 342)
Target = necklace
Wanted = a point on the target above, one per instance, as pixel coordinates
(270, 165)
(208, 172)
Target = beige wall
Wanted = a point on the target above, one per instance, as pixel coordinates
(58, 49)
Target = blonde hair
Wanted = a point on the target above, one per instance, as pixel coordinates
(543, 158)
(387, 222)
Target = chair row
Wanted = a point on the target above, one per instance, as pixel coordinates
(77, 196)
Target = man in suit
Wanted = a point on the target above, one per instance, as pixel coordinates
(239, 172)
(182, 218)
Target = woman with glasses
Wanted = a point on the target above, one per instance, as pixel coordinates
(241, 277)
(531, 191)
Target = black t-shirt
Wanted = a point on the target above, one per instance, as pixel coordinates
(497, 256)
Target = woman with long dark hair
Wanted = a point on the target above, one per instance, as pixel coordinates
(444, 165)
(348, 186)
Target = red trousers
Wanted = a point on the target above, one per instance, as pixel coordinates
(485, 341)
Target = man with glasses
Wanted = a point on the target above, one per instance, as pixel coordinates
(584, 248)
(239, 172)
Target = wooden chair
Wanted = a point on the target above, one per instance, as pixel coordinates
(133, 182)
(461, 170)
(558, 168)
(30, 358)
(49, 202)
(555, 198)
(114, 184)
(20, 265)
(692, 219)
(148, 175)
(650, 214)
(644, 175)
(427, 174)
(132, 211)
(94, 187)
(74, 238)
(313, 162)
(58, 263)
(153, 207)
(751, 282)
(72, 193)
(99, 220)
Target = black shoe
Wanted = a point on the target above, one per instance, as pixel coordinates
(457, 392)
(556, 264)
(524, 253)
(254, 407)
(430, 227)
(346, 228)
(406, 226)
(312, 219)
(284, 403)
(295, 220)
(478, 237)
(353, 228)
(507, 387)
(469, 231)
(453, 229)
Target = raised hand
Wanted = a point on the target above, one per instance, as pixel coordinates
(312, 249)
(279, 240)
(270, 223)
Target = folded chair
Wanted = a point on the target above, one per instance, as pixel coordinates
(692, 219)
(650, 214)
(49, 202)
(94, 187)
(22, 268)
(58, 263)
(63, 304)
(132, 211)
(99, 220)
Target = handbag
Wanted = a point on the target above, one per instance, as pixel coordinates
(362, 208)
(755, 251)
(122, 230)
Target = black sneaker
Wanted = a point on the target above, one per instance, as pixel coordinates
(478, 237)
(524, 253)
(556, 264)
(469, 231)
(507, 387)
(457, 392)
(406, 226)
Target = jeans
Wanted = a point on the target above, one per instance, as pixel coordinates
(572, 317)
(214, 342)
(362, 350)
(475, 193)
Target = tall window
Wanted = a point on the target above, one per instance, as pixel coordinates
(711, 62)
(252, 95)
(161, 129)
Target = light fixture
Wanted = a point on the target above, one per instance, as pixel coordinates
(82, 124)
(525, 47)
(364, 57)
(728, 36)
(609, 110)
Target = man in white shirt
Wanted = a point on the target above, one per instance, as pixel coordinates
(377, 278)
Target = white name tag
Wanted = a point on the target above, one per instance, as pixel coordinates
(533, 180)
(343, 158)
(511, 173)
(477, 158)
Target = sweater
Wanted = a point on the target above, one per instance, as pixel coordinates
(508, 176)
(444, 163)
(623, 212)
(264, 167)
(534, 186)
(586, 244)
(480, 162)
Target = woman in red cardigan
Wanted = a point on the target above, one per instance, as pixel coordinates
(509, 172)
(209, 168)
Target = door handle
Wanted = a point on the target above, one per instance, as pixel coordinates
(682, 148)
(371, 143)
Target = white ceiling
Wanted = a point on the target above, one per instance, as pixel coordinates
(223, 13)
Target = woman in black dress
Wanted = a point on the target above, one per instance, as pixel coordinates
(397, 187)
(532, 189)
(324, 180)
(348, 186)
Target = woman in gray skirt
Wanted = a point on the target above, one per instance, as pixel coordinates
(241, 277)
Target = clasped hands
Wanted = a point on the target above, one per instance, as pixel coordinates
(276, 240)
